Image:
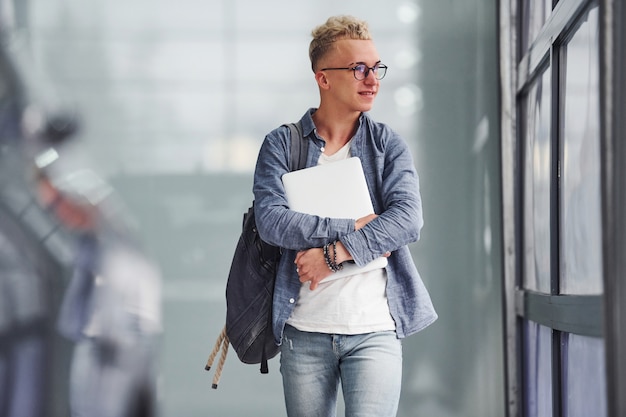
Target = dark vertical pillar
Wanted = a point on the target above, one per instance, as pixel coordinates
(613, 73)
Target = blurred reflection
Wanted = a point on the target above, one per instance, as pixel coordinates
(111, 306)
(23, 342)
(57, 215)
(30, 278)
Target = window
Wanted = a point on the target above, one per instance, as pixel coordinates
(555, 280)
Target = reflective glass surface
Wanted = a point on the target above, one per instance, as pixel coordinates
(584, 379)
(537, 178)
(581, 243)
(534, 15)
(537, 370)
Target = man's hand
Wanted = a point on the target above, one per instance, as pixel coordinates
(360, 223)
(311, 266)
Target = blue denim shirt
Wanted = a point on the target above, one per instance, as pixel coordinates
(394, 189)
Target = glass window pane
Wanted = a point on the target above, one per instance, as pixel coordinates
(584, 384)
(537, 370)
(581, 256)
(537, 177)
(534, 15)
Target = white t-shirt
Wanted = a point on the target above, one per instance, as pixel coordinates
(355, 304)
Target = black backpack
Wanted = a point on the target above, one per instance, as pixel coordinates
(250, 287)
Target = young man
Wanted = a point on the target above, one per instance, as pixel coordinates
(346, 330)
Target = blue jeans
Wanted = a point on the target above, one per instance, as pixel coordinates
(369, 367)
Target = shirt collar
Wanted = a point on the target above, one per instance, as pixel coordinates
(308, 126)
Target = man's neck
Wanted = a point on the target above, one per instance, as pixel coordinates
(334, 127)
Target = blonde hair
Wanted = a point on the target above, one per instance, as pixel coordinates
(335, 28)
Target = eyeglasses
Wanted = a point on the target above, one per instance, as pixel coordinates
(361, 71)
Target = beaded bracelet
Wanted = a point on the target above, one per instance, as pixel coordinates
(331, 262)
(340, 266)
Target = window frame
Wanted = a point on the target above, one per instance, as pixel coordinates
(586, 315)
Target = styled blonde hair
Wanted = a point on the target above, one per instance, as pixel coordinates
(335, 28)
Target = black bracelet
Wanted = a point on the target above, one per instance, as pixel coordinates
(340, 266)
(329, 261)
(332, 262)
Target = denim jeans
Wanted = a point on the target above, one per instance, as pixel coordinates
(369, 367)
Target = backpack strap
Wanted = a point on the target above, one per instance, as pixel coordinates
(297, 160)
(298, 147)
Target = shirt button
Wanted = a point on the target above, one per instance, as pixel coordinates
(292, 300)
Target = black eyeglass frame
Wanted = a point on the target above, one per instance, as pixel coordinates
(366, 71)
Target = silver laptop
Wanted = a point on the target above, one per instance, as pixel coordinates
(336, 190)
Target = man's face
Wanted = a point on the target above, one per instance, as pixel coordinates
(344, 88)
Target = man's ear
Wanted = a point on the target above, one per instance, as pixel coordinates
(321, 79)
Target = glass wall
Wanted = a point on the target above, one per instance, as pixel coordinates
(555, 275)
(176, 97)
(455, 368)
(537, 116)
(581, 250)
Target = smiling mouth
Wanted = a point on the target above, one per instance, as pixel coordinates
(367, 93)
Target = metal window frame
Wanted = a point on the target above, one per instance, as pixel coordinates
(613, 155)
(596, 316)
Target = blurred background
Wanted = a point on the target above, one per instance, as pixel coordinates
(175, 98)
